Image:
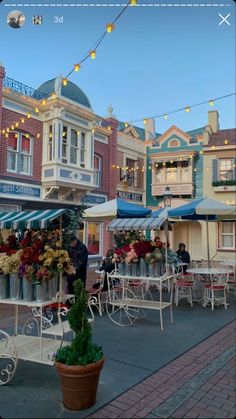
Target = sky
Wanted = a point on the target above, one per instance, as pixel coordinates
(159, 58)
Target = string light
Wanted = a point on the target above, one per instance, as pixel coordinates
(64, 82)
(36, 110)
(22, 120)
(144, 121)
(187, 109)
(8, 129)
(16, 124)
(165, 116)
(38, 135)
(78, 132)
(93, 130)
(126, 124)
(109, 128)
(93, 54)
(211, 102)
(77, 67)
(201, 152)
(43, 102)
(133, 2)
(226, 142)
(28, 115)
(110, 27)
(53, 95)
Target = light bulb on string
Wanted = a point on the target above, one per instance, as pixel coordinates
(22, 120)
(165, 116)
(133, 2)
(144, 121)
(211, 102)
(17, 124)
(8, 129)
(126, 124)
(93, 54)
(187, 109)
(36, 110)
(225, 142)
(38, 135)
(110, 27)
(12, 127)
(43, 102)
(28, 115)
(77, 67)
(6, 135)
(64, 81)
(53, 96)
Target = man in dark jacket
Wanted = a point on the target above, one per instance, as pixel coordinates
(183, 256)
(79, 256)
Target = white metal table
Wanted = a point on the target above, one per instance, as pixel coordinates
(123, 304)
(37, 341)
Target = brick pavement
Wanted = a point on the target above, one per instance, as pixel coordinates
(198, 384)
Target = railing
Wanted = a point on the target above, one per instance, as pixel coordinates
(19, 87)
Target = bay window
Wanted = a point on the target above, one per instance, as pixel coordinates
(132, 173)
(64, 145)
(227, 235)
(19, 153)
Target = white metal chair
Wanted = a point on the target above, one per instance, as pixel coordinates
(183, 289)
(95, 295)
(215, 292)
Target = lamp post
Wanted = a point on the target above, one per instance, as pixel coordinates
(167, 196)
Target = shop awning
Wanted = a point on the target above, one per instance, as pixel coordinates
(29, 219)
(136, 224)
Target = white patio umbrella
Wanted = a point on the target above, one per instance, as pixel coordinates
(204, 209)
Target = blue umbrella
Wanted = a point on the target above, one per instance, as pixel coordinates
(116, 208)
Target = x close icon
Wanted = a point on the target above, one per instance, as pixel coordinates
(224, 19)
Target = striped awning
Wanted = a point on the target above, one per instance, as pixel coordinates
(28, 219)
(120, 224)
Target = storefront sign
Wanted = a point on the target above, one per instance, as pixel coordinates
(9, 189)
(93, 199)
(130, 195)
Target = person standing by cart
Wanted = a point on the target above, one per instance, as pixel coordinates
(78, 253)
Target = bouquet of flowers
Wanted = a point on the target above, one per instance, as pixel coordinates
(155, 256)
(13, 262)
(142, 248)
(43, 274)
(4, 267)
(55, 260)
(131, 256)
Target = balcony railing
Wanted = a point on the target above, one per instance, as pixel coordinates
(23, 89)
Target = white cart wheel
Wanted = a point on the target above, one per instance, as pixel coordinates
(118, 308)
(8, 358)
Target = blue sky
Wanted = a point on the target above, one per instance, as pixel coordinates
(158, 58)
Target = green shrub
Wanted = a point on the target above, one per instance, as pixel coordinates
(82, 350)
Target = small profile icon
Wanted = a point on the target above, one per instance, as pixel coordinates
(37, 20)
(16, 19)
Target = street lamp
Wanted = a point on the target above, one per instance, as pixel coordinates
(167, 196)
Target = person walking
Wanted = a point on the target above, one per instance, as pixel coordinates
(78, 253)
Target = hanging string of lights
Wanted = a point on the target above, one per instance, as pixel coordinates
(187, 109)
(110, 27)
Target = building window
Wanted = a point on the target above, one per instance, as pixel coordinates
(97, 170)
(74, 147)
(94, 238)
(82, 150)
(132, 173)
(19, 153)
(50, 143)
(173, 143)
(64, 144)
(225, 169)
(227, 235)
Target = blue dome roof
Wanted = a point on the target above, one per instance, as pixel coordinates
(71, 91)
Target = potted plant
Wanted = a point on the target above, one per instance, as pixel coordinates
(79, 364)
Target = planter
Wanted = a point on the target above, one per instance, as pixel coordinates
(52, 287)
(151, 269)
(127, 269)
(4, 287)
(28, 290)
(134, 269)
(79, 384)
(142, 267)
(15, 287)
(121, 268)
(40, 292)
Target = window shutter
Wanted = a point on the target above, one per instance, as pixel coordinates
(214, 170)
(234, 169)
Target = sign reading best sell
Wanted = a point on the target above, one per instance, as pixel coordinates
(13, 189)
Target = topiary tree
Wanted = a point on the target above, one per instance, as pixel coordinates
(82, 350)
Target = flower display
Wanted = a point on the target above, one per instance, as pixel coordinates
(10, 264)
(4, 267)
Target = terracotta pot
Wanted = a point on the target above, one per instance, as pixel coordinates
(79, 384)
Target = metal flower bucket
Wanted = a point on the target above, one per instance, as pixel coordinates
(28, 290)
(52, 287)
(121, 268)
(4, 286)
(151, 269)
(142, 267)
(127, 269)
(40, 292)
(15, 287)
(134, 269)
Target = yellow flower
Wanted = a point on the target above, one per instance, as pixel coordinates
(56, 254)
(67, 259)
(58, 244)
(61, 260)
(46, 247)
(59, 265)
(41, 258)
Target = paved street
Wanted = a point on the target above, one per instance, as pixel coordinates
(183, 371)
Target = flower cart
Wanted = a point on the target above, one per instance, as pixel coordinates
(31, 275)
(140, 265)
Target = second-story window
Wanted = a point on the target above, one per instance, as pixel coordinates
(132, 173)
(64, 145)
(74, 147)
(225, 169)
(97, 170)
(19, 153)
(50, 143)
(82, 150)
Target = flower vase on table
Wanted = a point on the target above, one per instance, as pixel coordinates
(4, 286)
(127, 269)
(121, 268)
(40, 291)
(134, 269)
(142, 267)
(52, 286)
(27, 289)
(15, 287)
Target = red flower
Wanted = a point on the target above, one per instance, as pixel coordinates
(142, 248)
